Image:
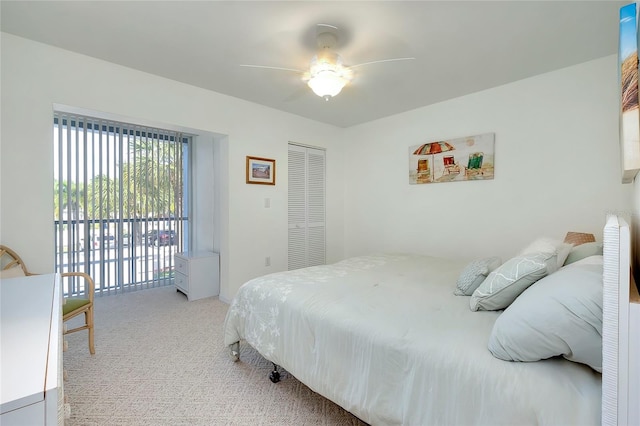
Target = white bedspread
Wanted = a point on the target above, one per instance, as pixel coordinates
(384, 337)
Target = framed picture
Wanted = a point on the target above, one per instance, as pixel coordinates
(261, 170)
(461, 159)
(629, 113)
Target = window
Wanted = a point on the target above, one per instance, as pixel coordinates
(120, 201)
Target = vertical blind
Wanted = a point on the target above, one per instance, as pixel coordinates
(120, 198)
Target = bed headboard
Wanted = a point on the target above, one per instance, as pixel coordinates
(620, 329)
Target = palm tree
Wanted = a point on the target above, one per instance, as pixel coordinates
(103, 198)
(152, 185)
(152, 181)
(69, 197)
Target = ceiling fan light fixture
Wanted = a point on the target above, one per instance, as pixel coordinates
(327, 76)
(326, 84)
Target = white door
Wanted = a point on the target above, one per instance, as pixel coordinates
(306, 207)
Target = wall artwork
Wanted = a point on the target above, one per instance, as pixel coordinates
(468, 158)
(261, 170)
(629, 114)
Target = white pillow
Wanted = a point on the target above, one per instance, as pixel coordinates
(583, 251)
(560, 315)
(549, 245)
(594, 259)
(503, 285)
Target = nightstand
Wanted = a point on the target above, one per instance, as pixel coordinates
(197, 274)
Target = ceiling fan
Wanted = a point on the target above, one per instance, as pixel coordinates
(327, 74)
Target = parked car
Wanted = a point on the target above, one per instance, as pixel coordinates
(160, 238)
(150, 237)
(95, 240)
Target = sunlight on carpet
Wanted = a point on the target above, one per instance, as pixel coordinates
(161, 360)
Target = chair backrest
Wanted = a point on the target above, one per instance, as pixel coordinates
(77, 284)
(10, 259)
(475, 160)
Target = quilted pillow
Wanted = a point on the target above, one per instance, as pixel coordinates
(13, 272)
(503, 285)
(560, 315)
(474, 274)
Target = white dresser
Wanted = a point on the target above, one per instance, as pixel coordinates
(31, 351)
(198, 274)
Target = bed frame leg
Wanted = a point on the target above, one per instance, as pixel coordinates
(274, 376)
(234, 351)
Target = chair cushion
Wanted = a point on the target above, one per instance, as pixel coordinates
(72, 304)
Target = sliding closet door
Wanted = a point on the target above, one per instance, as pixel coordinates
(306, 207)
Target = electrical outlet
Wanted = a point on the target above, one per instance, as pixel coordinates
(267, 261)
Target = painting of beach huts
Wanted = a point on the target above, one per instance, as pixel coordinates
(629, 114)
(467, 158)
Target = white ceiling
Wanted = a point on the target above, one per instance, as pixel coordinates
(460, 47)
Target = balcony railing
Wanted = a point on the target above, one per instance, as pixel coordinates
(120, 254)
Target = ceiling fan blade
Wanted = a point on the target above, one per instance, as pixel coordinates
(381, 60)
(326, 26)
(271, 68)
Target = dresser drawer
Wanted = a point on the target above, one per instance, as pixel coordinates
(182, 266)
(182, 282)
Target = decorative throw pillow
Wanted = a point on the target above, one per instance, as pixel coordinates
(549, 245)
(577, 238)
(560, 315)
(474, 274)
(13, 272)
(503, 285)
(582, 251)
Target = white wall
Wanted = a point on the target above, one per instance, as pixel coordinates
(36, 76)
(556, 169)
(557, 162)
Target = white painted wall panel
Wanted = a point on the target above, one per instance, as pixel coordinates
(556, 169)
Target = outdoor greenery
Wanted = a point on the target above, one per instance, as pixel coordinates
(151, 186)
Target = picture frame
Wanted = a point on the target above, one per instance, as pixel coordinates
(628, 78)
(261, 171)
(461, 159)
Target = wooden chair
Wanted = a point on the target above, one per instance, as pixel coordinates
(73, 306)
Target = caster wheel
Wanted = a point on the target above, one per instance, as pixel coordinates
(274, 376)
(235, 356)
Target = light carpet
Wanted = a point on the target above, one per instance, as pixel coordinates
(161, 360)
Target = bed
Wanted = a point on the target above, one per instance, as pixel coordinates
(385, 337)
